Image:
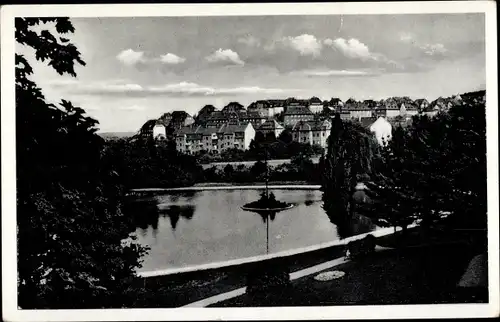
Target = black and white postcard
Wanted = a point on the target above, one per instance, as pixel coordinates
(249, 161)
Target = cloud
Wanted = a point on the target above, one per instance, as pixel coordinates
(250, 41)
(225, 56)
(352, 48)
(193, 89)
(427, 49)
(171, 59)
(289, 54)
(132, 108)
(181, 89)
(434, 49)
(337, 73)
(306, 45)
(130, 57)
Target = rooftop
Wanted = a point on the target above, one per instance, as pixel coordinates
(233, 128)
(298, 110)
(270, 125)
(312, 125)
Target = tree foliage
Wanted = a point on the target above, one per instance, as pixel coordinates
(69, 224)
(146, 163)
(351, 153)
(435, 167)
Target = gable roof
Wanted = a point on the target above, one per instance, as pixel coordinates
(251, 114)
(298, 110)
(315, 100)
(270, 125)
(276, 102)
(233, 128)
(185, 130)
(312, 125)
(148, 126)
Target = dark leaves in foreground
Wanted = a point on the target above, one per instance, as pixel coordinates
(73, 250)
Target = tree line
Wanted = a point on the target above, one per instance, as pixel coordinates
(432, 172)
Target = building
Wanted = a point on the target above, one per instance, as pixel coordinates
(251, 117)
(335, 104)
(233, 107)
(216, 118)
(235, 136)
(441, 104)
(312, 132)
(146, 130)
(204, 114)
(382, 130)
(380, 111)
(187, 140)
(408, 107)
(267, 108)
(362, 109)
(438, 105)
(214, 139)
(166, 118)
(263, 108)
(180, 119)
(345, 114)
(356, 109)
(277, 106)
(392, 108)
(315, 105)
(295, 113)
(271, 126)
(159, 130)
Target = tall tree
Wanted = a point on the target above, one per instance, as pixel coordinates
(351, 149)
(70, 228)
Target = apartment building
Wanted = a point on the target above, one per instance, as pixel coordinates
(312, 132)
(315, 105)
(214, 139)
(271, 126)
(276, 106)
(295, 113)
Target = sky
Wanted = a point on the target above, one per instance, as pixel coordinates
(139, 68)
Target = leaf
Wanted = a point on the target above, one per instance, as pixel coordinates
(63, 26)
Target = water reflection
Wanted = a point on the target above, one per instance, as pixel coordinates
(265, 215)
(188, 228)
(175, 212)
(146, 213)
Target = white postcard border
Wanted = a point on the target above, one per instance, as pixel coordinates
(9, 270)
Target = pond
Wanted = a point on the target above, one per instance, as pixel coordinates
(199, 227)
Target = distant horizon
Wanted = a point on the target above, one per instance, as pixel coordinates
(138, 68)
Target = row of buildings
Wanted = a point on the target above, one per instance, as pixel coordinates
(238, 135)
(309, 121)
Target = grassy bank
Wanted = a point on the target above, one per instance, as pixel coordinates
(418, 273)
(437, 259)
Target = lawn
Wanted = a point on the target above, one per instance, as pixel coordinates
(412, 275)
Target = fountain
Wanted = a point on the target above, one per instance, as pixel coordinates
(265, 275)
